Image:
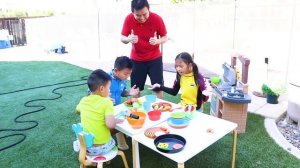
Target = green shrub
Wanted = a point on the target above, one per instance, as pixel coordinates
(268, 91)
(272, 90)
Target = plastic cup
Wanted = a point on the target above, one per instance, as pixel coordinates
(147, 106)
(150, 98)
(215, 80)
(154, 115)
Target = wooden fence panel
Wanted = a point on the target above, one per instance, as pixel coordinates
(16, 28)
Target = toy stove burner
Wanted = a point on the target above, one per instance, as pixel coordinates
(231, 92)
(236, 94)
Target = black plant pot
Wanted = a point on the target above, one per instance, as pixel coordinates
(271, 99)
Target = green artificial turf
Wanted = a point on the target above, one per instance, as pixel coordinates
(49, 144)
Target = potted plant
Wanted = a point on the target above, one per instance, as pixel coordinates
(272, 92)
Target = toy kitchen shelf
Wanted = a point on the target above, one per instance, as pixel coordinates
(229, 100)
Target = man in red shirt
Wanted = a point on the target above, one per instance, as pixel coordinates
(145, 30)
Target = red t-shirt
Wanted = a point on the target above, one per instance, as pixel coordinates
(143, 50)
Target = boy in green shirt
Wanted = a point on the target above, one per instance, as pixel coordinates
(97, 112)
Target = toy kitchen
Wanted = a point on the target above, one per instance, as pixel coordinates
(229, 99)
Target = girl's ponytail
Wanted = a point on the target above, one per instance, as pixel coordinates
(195, 72)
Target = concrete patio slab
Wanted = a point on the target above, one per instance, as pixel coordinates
(273, 111)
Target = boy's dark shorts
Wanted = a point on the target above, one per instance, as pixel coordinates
(140, 71)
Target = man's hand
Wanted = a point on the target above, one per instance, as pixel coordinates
(132, 38)
(153, 40)
(133, 91)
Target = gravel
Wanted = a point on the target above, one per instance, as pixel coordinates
(290, 131)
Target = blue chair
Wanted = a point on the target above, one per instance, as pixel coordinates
(86, 140)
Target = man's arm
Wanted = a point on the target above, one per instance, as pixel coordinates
(131, 38)
(157, 41)
(162, 39)
(125, 39)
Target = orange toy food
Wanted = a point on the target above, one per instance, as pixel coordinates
(162, 106)
(210, 130)
(133, 103)
(130, 102)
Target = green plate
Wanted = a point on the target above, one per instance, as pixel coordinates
(178, 114)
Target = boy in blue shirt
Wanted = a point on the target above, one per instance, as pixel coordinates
(122, 70)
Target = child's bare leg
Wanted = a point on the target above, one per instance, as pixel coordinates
(121, 141)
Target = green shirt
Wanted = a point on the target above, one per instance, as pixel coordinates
(93, 109)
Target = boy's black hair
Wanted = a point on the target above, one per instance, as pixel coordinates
(97, 78)
(123, 62)
(138, 5)
(188, 59)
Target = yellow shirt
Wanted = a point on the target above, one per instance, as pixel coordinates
(189, 90)
(93, 109)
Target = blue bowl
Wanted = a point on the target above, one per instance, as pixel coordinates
(178, 121)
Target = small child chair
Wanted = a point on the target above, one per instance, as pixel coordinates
(86, 141)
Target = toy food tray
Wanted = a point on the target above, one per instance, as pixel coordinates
(162, 106)
(169, 143)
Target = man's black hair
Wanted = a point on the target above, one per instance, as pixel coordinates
(97, 78)
(138, 5)
(123, 62)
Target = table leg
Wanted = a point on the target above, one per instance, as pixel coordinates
(135, 154)
(180, 165)
(234, 140)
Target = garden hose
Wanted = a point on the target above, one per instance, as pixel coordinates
(41, 108)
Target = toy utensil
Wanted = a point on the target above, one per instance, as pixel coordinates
(124, 113)
(121, 114)
(177, 108)
(133, 116)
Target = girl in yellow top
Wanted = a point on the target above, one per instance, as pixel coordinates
(189, 80)
(97, 112)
